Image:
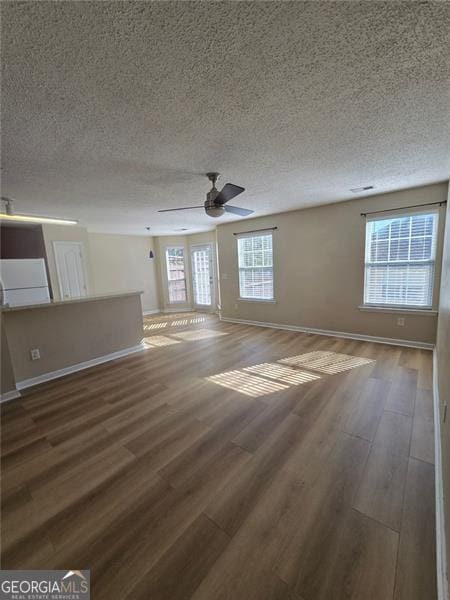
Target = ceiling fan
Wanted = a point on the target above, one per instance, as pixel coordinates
(215, 203)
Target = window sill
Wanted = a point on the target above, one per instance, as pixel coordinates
(261, 300)
(387, 309)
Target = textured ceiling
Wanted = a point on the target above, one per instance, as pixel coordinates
(112, 110)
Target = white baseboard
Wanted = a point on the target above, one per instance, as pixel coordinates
(441, 548)
(12, 395)
(178, 310)
(340, 334)
(26, 383)
(153, 311)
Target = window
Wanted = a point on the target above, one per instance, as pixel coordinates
(176, 276)
(400, 258)
(255, 257)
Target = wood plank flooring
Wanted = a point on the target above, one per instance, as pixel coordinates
(229, 462)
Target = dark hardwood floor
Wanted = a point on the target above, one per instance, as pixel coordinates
(229, 462)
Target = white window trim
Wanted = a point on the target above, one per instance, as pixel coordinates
(395, 308)
(378, 308)
(177, 247)
(259, 300)
(253, 234)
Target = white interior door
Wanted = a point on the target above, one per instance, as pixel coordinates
(202, 276)
(71, 269)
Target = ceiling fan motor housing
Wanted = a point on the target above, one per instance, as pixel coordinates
(211, 196)
(212, 209)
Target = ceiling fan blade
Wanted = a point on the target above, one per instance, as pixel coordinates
(243, 212)
(183, 208)
(228, 192)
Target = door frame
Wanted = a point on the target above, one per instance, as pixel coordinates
(201, 307)
(60, 244)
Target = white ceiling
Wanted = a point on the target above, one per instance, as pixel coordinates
(112, 110)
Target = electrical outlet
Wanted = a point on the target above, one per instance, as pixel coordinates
(35, 354)
(236, 307)
(224, 275)
(401, 321)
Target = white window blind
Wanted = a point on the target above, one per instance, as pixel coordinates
(176, 276)
(255, 256)
(400, 260)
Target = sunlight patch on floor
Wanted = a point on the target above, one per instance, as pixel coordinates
(157, 341)
(197, 320)
(326, 362)
(246, 384)
(267, 378)
(172, 321)
(168, 316)
(282, 373)
(152, 326)
(199, 334)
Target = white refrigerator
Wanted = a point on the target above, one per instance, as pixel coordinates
(23, 281)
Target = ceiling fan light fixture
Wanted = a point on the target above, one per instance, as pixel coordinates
(215, 211)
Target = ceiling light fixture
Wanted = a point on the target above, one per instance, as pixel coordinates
(362, 189)
(9, 215)
(33, 219)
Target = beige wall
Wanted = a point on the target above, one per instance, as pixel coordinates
(7, 381)
(114, 263)
(185, 241)
(319, 268)
(443, 372)
(121, 263)
(65, 233)
(70, 333)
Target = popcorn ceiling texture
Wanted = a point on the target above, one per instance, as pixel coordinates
(112, 110)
